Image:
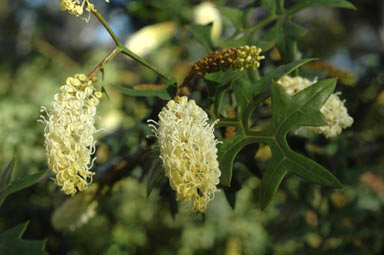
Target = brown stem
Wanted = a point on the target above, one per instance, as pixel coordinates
(119, 171)
(185, 82)
(100, 65)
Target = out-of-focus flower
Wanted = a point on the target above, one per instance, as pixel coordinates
(68, 132)
(75, 212)
(236, 58)
(206, 13)
(333, 109)
(188, 151)
(76, 7)
(150, 37)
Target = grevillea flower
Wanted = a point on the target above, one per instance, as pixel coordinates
(237, 58)
(68, 133)
(76, 7)
(205, 13)
(333, 109)
(188, 151)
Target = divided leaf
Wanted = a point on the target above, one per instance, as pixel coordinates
(288, 112)
(227, 152)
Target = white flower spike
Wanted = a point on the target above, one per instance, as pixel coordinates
(188, 151)
(68, 133)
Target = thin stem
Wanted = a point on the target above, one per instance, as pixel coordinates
(132, 55)
(123, 49)
(108, 28)
(185, 82)
(107, 59)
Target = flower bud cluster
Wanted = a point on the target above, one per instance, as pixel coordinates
(68, 133)
(236, 58)
(333, 109)
(188, 151)
(76, 7)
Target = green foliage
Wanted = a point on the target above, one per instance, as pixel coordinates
(12, 244)
(7, 186)
(285, 34)
(134, 200)
(301, 110)
(326, 3)
(202, 33)
(6, 174)
(234, 15)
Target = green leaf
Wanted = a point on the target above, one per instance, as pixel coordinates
(230, 192)
(202, 33)
(161, 93)
(265, 45)
(234, 43)
(311, 171)
(276, 74)
(286, 42)
(5, 176)
(271, 181)
(234, 15)
(12, 244)
(218, 84)
(274, 6)
(271, 6)
(21, 183)
(288, 112)
(285, 35)
(325, 3)
(227, 152)
(155, 174)
(243, 93)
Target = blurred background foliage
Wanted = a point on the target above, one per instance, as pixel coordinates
(42, 46)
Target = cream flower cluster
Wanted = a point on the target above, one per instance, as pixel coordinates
(76, 7)
(247, 57)
(333, 109)
(188, 151)
(206, 13)
(68, 133)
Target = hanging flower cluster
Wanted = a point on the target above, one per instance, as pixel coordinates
(188, 151)
(68, 133)
(236, 58)
(76, 7)
(333, 109)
